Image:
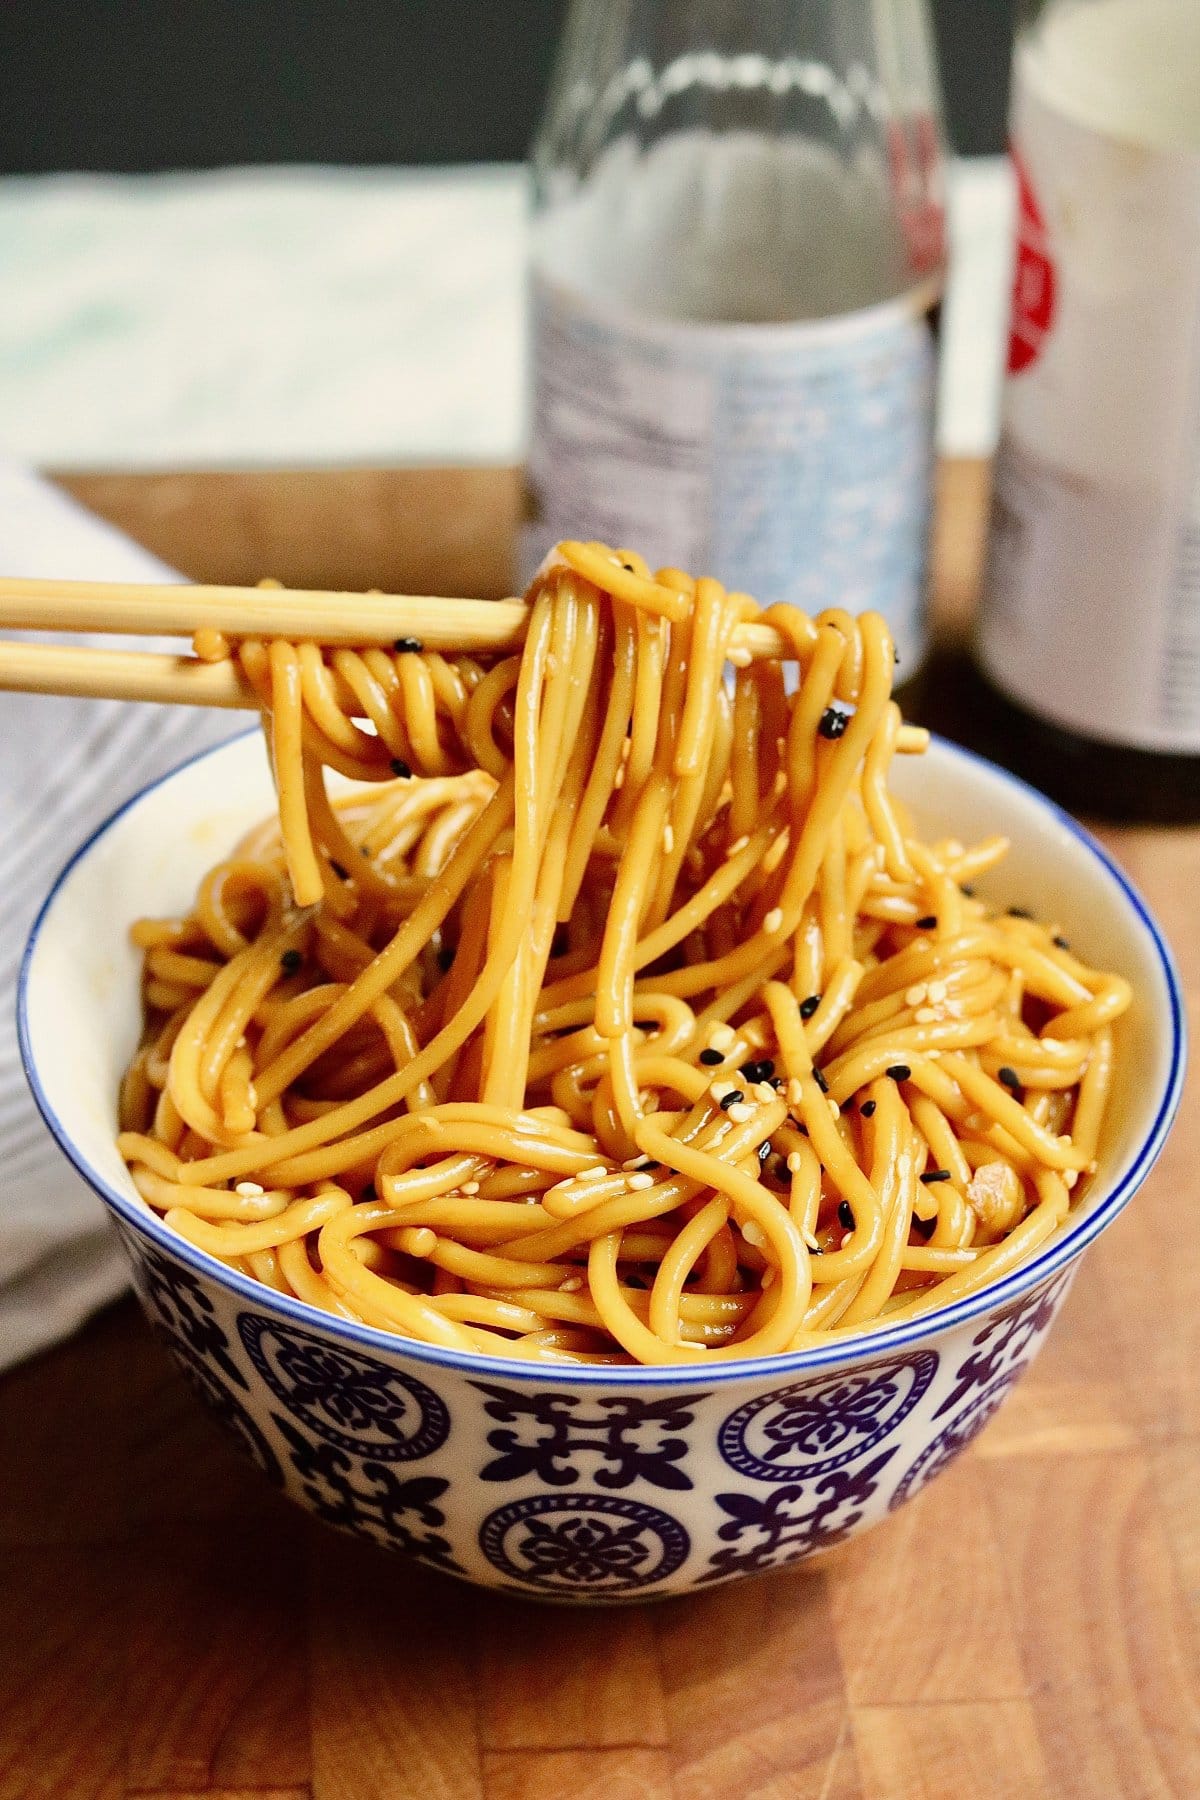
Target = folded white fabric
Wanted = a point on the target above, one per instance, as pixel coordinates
(64, 765)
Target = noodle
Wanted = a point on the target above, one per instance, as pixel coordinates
(622, 1017)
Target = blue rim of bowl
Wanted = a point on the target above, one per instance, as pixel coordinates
(1062, 1249)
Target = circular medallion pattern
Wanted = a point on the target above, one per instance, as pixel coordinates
(585, 1544)
(817, 1426)
(348, 1400)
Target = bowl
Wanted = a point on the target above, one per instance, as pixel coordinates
(577, 1483)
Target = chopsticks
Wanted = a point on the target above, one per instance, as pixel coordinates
(175, 610)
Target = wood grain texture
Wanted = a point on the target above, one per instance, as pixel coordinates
(1027, 1629)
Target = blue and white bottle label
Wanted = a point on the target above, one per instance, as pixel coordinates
(793, 462)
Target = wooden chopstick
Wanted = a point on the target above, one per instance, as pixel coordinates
(90, 674)
(176, 610)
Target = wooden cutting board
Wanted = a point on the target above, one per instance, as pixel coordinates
(1029, 1627)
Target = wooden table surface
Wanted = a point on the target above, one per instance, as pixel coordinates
(1028, 1627)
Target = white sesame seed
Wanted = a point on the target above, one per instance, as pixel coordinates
(641, 1178)
(795, 1092)
(668, 839)
(810, 1239)
(470, 1187)
(571, 1285)
(846, 1236)
(937, 991)
(926, 1015)
(251, 1094)
(738, 845)
(596, 1174)
(619, 777)
(249, 1190)
(719, 1089)
(915, 994)
(779, 785)
(241, 1043)
(721, 1037)
(764, 1091)
(739, 1112)
(834, 1108)
(633, 1162)
(768, 1276)
(795, 1162)
(773, 921)
(1070, 1178)
(754, 1234)
(740, 657)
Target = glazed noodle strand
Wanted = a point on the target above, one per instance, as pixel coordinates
(615, 1011)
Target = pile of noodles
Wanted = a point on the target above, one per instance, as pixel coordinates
(623, 1016)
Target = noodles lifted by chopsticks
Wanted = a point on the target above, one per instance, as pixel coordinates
(629, 1020)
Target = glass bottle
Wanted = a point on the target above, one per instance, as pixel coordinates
(1089, 633)
(738, 254)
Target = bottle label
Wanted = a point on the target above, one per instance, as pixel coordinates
(792, 461)
(1091, 616)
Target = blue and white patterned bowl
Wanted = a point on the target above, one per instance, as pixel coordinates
(578, 1484)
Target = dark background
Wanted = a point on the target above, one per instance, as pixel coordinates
(157, 84)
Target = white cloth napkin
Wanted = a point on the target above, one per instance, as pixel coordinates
(64, 765)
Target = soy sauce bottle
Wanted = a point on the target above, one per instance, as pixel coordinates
(1089, 635)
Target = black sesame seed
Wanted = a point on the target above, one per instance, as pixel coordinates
(1060, 942)
(808, 1007)
(400, 769)
(731, 1099)
(820, 1081)
(846, 1215)
(711, 1058)
(867, 1109)
(766, 1069)
(291, 960)
(898, 1072)
(1019, 912)
(408, 646)
(338, 870)
(932, 1175)
(833, 722)
(1009, 1078)
(775, 1081)
(927, 923)
(968, 890)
